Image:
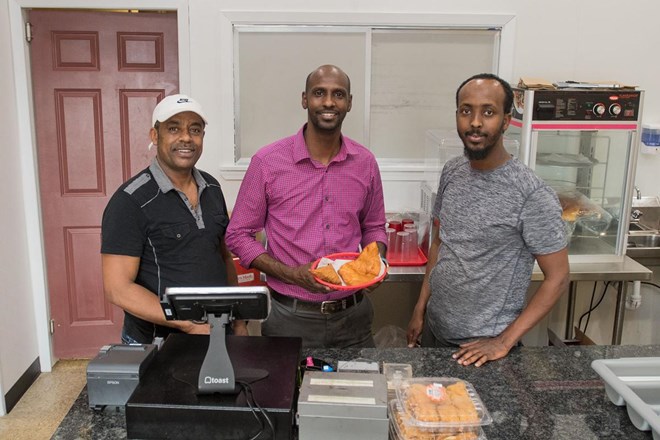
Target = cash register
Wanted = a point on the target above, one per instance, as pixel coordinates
(217, 385)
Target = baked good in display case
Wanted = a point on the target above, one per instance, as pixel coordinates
(574, 205)
(579, 209)
(438, 409)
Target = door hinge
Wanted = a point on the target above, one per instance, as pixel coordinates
(28, 31)
(52, 326)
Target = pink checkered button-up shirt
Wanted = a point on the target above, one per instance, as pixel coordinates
(307, 210)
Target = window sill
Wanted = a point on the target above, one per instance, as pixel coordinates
(390, 170)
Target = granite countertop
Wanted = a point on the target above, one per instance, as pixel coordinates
(535, 392)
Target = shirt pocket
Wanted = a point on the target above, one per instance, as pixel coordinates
(173, 243)
(176, 232)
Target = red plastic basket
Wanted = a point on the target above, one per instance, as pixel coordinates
(347, 256)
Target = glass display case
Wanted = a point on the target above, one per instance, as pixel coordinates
(583, 143)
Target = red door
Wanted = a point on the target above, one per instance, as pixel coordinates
(96, 78)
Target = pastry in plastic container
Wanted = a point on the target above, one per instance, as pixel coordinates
(402, 429)
(579, 209)
(442, 405)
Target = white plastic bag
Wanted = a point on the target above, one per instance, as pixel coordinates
(390, 336)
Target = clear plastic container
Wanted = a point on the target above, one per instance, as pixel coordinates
(587, 214)
(442, 404)
(651, 135)
(569, 227)
(394, 374)
(401, 429)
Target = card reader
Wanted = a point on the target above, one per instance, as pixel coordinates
(115, 372)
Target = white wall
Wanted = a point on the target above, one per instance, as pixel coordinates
(18, 341)
(562, 39)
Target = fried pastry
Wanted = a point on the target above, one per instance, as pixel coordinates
(364, 268)
(575, 205)
(426, 404)
(410, 432)
(327, 274)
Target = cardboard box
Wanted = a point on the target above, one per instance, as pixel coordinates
(527, 82)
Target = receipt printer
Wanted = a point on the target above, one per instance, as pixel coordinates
(115, 372)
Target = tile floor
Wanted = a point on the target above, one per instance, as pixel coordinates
(41, 409)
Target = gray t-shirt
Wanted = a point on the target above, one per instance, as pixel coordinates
(492, 223)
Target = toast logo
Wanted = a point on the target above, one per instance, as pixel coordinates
(182, 100)
(211, 380)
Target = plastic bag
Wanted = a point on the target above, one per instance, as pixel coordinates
(391, 336)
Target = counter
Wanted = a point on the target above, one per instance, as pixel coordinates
(535, 392)
(625, 270)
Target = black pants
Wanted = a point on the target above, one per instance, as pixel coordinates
(347, 328)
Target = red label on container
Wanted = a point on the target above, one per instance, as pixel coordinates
(436, 392)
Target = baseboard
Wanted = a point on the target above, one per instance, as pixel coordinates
(22, 385)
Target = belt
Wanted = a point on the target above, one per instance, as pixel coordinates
(323, 307)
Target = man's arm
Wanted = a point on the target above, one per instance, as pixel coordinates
(555, 269)
(239, 327)
(417, 320)
(119, 273)
(372, 216)
(249, 216)
(298, 275)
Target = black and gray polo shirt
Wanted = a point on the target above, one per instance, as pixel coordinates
(178, 245)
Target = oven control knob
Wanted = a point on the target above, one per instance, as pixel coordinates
(615, 109)
(599, 109)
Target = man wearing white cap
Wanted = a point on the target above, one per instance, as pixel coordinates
(165, 228)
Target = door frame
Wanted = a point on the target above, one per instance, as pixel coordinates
(27, 138)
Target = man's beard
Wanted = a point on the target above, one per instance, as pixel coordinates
(489, 146)
(478, 154)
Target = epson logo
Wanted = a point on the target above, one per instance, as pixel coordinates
(209, 379)
(182, 100)
(112, 382)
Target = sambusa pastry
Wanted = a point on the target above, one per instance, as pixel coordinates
(327, 274)
(411, 432)
(575, 205)
(364, 268)
(444, 404)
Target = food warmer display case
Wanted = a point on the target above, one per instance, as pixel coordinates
(584, 144)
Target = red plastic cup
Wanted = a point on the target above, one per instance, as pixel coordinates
(396, 225)
(391, 240)
(404, 246)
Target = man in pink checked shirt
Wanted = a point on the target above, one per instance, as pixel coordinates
(314, 193)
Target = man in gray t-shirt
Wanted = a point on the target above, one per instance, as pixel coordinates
(493, 217)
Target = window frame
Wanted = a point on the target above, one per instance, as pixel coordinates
(391, 169)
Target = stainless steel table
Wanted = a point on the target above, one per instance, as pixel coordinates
(625, 270)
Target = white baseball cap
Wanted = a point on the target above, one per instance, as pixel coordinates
(174, 104)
